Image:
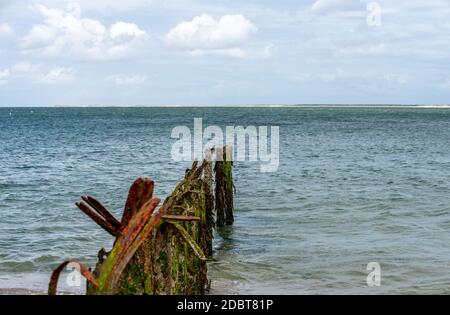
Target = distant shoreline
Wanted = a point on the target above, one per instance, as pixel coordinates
(424, 106)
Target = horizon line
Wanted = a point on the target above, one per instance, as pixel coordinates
(318, 105)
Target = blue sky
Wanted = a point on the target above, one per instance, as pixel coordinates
(198, 52)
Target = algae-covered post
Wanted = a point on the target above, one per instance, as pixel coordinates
(209, 193)
(164, 250)
(224, 190)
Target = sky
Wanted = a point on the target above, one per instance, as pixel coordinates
(216, 52)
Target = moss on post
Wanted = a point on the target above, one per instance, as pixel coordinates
(224, 189)
(209, 194)
(179, 249)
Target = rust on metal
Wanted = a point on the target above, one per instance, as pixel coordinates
(140, 192)
(98, 219)
(97, 206)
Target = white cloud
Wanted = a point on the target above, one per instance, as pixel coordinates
(336, 5)
(21, 70)
(124, 80)
(204, 35)
(107, 4)
(123, 29)
(24, 69)
(114, 6)
(67, 33)
(230, 52)
(5, 30)
(30, 72)
(348, 76)
(58, 75)
(412, 29)
(4, 75)
(376, 49)
(397, 78)
(39, 36)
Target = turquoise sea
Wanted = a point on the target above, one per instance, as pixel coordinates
(354, 185)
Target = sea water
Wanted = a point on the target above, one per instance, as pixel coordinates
(353, 186)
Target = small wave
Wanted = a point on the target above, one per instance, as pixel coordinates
(15, 266)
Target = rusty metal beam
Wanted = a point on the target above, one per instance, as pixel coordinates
(98, 219)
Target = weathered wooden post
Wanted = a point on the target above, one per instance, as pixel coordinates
(224, 190)
(209, 194)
